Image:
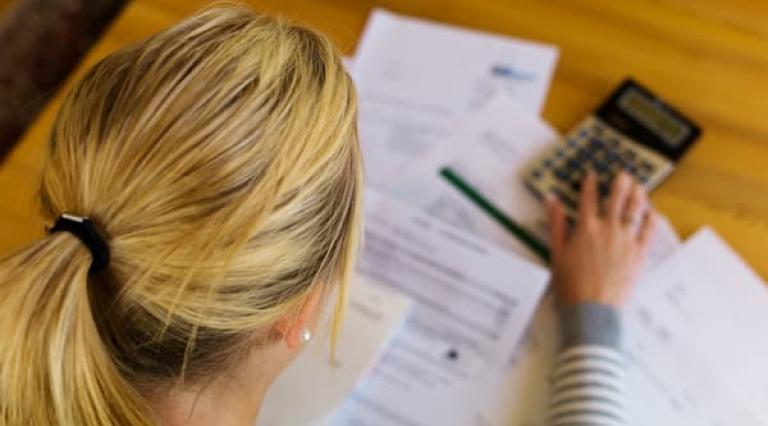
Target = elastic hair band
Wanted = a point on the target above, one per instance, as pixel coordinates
(85, 231)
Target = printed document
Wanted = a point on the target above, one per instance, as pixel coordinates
(472, 303)
(494, 146)
(415, 79)
(521, 396)
(694, 339)
(314, 387)
(708, 302)
(491, 150)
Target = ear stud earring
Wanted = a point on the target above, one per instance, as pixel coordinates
(306, 336)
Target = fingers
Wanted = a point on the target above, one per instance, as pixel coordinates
(620, 192)
(588, 203)
(636, 207)
(557, 225)
(648, 228)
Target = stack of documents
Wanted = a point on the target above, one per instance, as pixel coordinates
(416, 80)
(471, 304)
(479, 341)
(694, 336)
(315, 385)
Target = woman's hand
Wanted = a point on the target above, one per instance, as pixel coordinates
(599, 259)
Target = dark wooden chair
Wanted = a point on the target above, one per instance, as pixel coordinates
(41, 41)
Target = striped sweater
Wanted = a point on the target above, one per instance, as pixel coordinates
(588, 378)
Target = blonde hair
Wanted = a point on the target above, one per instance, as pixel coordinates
(220, 160)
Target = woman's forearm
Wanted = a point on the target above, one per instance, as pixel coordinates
(589, 376)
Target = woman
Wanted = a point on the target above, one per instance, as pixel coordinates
(205, 190)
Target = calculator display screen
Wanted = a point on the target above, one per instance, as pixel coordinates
(642, 109)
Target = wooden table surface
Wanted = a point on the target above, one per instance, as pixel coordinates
(709, 58)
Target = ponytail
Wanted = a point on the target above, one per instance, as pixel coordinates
(221, 159)
(54, 368)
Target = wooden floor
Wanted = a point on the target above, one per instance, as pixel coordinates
(710, 58)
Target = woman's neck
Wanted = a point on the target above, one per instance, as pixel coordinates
(231, 398)
(226, 402)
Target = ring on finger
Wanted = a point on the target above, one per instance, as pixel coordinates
(630, 218)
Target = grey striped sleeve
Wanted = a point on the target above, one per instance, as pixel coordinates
(588, 381)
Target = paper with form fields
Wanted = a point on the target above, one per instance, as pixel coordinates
(415, 79)
(313, 388)
(472, 302)
(491, 151)
(707, 300)
(695, 342)
(494, 145)
(522, 394)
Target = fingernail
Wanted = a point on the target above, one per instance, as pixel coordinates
(624, 177)
(550, 198)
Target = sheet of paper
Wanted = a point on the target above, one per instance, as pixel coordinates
(407, 58)
(490, 150)
(707, 300)
(313, 387)
(661, 390)
(472, 302)
(416, 79)
(694, 338)
(522, 394)
(494, 146)
(667, 384)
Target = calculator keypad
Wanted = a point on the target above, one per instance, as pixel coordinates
(594, 146)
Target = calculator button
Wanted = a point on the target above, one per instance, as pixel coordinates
(560, 153)
(572, 143)
(561, 175)
(618, 166)
(599, 156)
(596, 144)
(583, 155)
(537, 174)
(647, 167)
(575, 182)
(576, 186)
(604, 188)
(565, 198)
(573, 164)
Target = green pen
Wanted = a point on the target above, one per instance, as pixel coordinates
(495, 213)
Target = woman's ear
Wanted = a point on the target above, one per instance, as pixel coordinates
(298, 327)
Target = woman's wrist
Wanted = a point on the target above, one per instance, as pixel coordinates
(590, 323)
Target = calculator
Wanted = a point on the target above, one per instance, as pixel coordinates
(633, 130)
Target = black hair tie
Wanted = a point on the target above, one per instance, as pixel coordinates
(85, 231)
